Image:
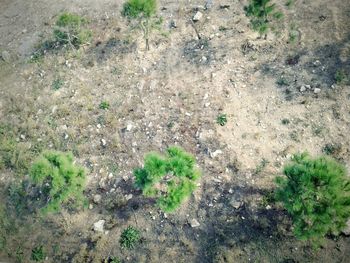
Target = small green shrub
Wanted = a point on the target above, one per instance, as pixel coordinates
(170, 178)
(341, 77)
(38, 254)
(316, 193)
(261, 13)
(70, 30)
(104, 105)
(144, 12)
(221, 119)
(57, 84)
(130, 237)
(60, 179)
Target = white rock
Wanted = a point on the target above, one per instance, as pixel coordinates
(194, 223)
(198, 16)
(235, 204)
(97, 199)
(317, 90)
(129, 127)
(128, 197)
(99, 226)
(302, 88)
(6, 56)
(216, 153)
(308, 86)
(103, 142)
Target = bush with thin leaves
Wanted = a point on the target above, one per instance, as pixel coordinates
(261, 13)
(130, 237)
(169, 178)
(61, 180)
(316, 193)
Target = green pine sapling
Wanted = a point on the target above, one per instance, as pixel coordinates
(144, 12)
(316, 193)
(261, 13)
(169, 178)
(61, 180)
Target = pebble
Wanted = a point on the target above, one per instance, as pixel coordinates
(97, 199)
(302, 88)
(129, 127)
(235, 204)
(99, 226)
(128, 197)
(103, 142)
(198, 16)
(216, 153)
(194, 223)
(317, 90)
(5, 55)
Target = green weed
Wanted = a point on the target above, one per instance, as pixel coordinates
(57, 84)
(130, 237)
(104, 105)
(316, 192)
(221, 119)
(38, 254)
(341, 77)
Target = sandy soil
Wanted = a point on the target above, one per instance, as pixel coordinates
(173, 95)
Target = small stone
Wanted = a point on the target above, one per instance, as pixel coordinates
(128, 197)
(5, 55)
(110, 176)
(103, 142)
(165, 215)
(23, 137)
(317, 90)
(235, 204)
(98, 126)
(198, 16)
(308, 86)
(91, 206)
(97, 199)
(206, 96)
(204, 59)
(216, 153)
(99, 226)
(129, 127)
(268, 207)
(346, 230)
(302, 88)
(125, 178)
(194, 223)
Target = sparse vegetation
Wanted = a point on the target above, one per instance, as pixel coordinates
(57, 84)
(170, 178)
(60, 179)
(316, 193)
(261, 13)
(130, 237)
(341, 77)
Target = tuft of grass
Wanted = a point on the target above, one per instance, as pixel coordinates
(263, 163)
(221, 119)
(104, 105)
(341, 77)
(60, 179)
(130, 237)
(285, 121)
(331, 149)
(282, 81)
(38, 254)
(316, 192)
(169, 178)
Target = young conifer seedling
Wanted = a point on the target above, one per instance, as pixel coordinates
(144, 12)
(316, 193)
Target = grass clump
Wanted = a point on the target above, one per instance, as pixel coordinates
(70, 30)
(38, 254)
(169, 178)
(262, 12)
(221, 119)
(316, 193)
(144, 12)
(130, 237)
(61, 180)
(57, 84)
(341, 77)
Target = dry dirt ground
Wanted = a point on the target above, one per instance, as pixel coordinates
(173, 95)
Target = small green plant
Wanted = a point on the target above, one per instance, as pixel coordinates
(282, 81)
(331, 148)
(285, 121)
(341, 77)
(169, 178)
(261, 166)
(104, 105)
(70, 30)
(61, 180)
(289, 3)
(57, 84)
(144, 12)
(130, 237)
(38, 254)
(316, 193)
(221, 119)
(261, 13)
